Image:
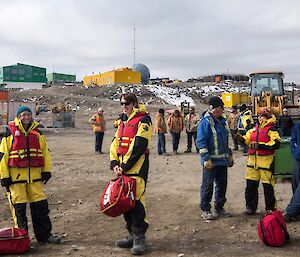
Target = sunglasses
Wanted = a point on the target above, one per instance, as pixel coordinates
(125, 103)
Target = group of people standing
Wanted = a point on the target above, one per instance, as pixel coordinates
(259, 141)
(176, 124)
(26, 162)
(129, 155)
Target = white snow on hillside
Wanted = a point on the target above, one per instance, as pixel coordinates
(170, 95)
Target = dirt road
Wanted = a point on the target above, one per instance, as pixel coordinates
(172, 199)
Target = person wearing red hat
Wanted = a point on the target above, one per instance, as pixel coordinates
(262, 141)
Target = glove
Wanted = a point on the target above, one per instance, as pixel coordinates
(208, 165)
(6, 182)
(253, 145)
(46, 176)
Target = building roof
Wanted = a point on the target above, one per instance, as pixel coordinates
(17, 64)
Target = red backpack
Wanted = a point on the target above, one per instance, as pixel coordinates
(119, 196)
(272, 229)
(14, 241)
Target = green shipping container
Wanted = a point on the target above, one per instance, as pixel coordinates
(60, 77)
(284, 159)
(22, 73)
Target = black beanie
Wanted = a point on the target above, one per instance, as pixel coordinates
(215, 102)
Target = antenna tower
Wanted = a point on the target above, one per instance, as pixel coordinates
(133, 45)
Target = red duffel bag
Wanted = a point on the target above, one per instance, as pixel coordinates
(119, 196)
(14, 241)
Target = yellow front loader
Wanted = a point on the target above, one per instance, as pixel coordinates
(267, 91)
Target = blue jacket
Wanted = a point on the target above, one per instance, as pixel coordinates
(212, 140)
(295, 142)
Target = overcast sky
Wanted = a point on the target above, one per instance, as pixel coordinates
(174, 38)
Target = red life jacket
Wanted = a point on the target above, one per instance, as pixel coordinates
(127, 132)
(24, 147)
(261, 136)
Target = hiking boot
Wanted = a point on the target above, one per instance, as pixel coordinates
(188, 151)
(139, 245)
(249, 211)
(125, 242)
(53, 240)
(207, 215)
(223, 214)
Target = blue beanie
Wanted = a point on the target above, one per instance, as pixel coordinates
(21, 109)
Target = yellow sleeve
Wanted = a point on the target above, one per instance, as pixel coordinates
(274, 136)
(113, 148)
(5, 146)
(46, 154)
(247, 136)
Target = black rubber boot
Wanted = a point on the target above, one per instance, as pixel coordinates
(139, 244)
(270, 200)
(251, 196)
(20, 213)
(125, 242)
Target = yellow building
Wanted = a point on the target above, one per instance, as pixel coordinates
(118, 76)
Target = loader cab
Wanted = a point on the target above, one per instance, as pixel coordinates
(267, 82)
(267, 91)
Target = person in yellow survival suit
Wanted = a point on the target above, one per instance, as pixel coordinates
(25, 165)
(129, 155)
(262, 141)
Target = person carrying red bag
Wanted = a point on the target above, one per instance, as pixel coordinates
(129, 155)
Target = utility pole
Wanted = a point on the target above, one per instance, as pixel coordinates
(227, 73)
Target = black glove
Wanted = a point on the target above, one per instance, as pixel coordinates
(113, 163)
(46, 176)
(6, 182)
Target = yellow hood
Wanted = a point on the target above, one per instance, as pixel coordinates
(264, 123)
(18, 123)
(141, 108)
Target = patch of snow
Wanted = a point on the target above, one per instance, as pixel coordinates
(170, 95)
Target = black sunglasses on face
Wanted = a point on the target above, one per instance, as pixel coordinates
(125, 103)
